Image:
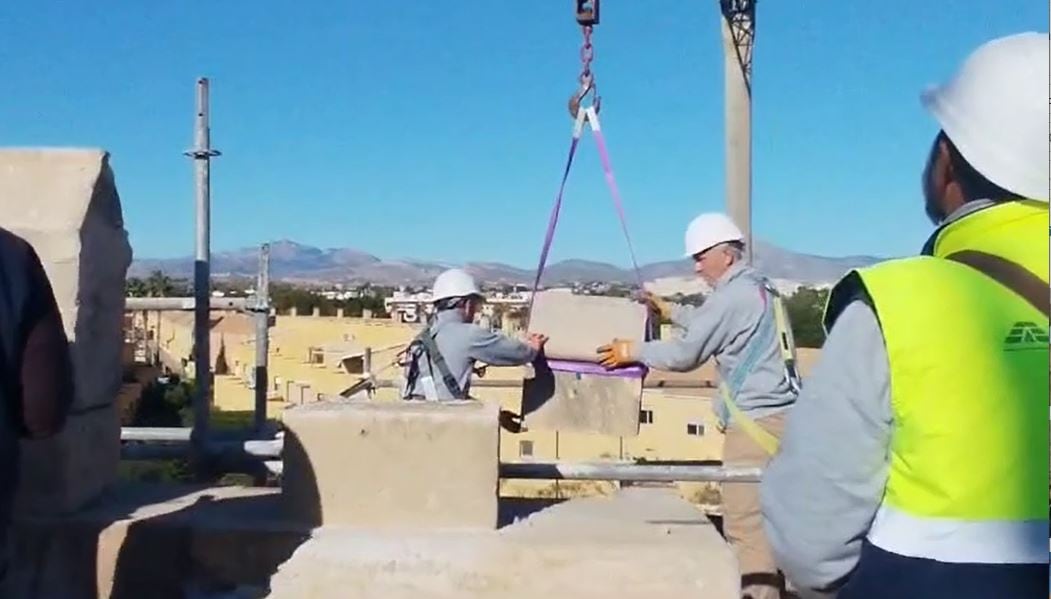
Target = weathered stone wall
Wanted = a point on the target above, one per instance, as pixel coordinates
(65, 204)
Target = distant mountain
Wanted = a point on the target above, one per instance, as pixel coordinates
(290, 260)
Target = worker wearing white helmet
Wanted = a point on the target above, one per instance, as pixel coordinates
(915, 463)
(739, 325)
(441, 359)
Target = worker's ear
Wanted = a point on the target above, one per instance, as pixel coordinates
(937, 178)
(953, 196)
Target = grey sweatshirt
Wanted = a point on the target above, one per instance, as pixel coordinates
(462, 344)
(721, 328)
(821, 491)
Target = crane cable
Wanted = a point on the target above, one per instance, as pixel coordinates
(587, 16)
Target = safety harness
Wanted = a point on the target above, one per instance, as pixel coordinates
(773, 323)
(423, 345)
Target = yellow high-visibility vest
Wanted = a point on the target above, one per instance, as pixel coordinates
(968, 361)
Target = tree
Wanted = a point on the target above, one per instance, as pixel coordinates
(159, 284)
(135, 287)
(805, 310)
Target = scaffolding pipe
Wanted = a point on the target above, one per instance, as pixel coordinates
(202, 154)
(184, 304)
(155, 433)
(628, 471)
(611, 472)
(261, 308)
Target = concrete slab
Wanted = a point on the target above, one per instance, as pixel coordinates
(641, 543)
(392, 464)
(152, 540)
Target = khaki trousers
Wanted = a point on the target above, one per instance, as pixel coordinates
(742, 517)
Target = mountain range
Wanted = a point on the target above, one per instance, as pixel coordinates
(297, 262)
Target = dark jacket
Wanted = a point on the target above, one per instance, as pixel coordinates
(36, 372)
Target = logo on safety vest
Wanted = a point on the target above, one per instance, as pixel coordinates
(1026, 335)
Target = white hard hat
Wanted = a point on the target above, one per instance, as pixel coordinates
(995, 111)
(709, 230)
(454, 283)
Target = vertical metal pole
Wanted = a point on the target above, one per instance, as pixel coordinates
(202, 154)
(738, 33)
(262, 336)
(366, 361)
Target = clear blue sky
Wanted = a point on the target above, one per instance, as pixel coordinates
(437, 128)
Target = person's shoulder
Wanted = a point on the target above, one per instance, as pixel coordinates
(16, 253)
(13, 244)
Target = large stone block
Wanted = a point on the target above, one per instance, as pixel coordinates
(392, 465)
(580, 401)
(577, 324)
(65, 204)
(586, 403)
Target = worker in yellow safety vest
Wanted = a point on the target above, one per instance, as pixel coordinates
(915, 463)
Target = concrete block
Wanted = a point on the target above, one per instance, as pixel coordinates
(65, 204)
(392, 465)
(61, 474)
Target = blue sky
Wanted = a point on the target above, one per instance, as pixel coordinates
(437, 128)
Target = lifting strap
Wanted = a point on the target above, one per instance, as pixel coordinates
(585, 115)
(764, 334)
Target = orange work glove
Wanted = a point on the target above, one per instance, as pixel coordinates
(619, 352)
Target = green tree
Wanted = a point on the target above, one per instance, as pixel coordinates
(805, 309)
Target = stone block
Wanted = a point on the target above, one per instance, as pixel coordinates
(61, 474)
(65, 204)
(578, 324)
(392, 465)
(568, 401)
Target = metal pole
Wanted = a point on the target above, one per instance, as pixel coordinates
(366, 361)
(202, 154)
(628, 471)
(177, 304)
(738, 33)
(262, 336)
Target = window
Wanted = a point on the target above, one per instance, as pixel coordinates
(646, 416)
(525, 449)
(696, 430)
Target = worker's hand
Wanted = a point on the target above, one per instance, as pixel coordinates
(479, 371)
(656, 304)
(536, 341)
(619, 352)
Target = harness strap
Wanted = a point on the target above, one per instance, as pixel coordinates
(1010, 274)
(763, 335)
(426, 339)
